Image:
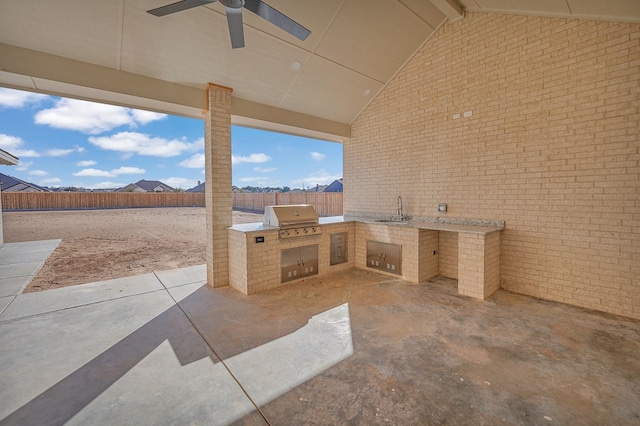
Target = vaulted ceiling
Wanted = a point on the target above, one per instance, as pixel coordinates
(113, 51)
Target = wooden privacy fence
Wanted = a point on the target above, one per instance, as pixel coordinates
(325, 203)
(98, 200)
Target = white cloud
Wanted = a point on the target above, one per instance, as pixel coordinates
(145, 117)
(23, 165)
(112, 173)
(128, 171)
(83, 116)
(177, 182)
(92, 118)
(265, 169)
(103, 185)
(316, 156)
(253, 158)
(194, 162)
(10, 98)
(94, 173)
(138, 143)
(86, 163)
(321, 177)
(38, 173)
(12, 145)
(50, 181)
(59, 152)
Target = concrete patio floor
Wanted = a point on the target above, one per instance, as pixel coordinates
(19, 263)
(352, 348)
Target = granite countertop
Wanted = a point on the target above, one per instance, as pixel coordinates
(436, 226)
(252, 227)
(259, 226)
(471, 226)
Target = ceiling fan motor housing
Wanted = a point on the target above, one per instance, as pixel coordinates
(233, 10)
(233, 4)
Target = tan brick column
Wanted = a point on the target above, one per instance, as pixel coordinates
(219, 203)
(478, 264)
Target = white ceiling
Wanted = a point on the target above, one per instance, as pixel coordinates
(114, 51)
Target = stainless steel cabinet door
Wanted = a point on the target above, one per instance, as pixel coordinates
(290, 265)
(338, 248)
(374, 254)
(298, 262)
(384, 256)
(309, 260)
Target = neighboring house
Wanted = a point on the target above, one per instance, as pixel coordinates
(132, 187)
(198, 188)
(147, 186)
(104, 190)
(12, 184)
(335, 186)
(318, 188)
(7, 160)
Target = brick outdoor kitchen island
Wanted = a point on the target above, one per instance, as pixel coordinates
(256, 251)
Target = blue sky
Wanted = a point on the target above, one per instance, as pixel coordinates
(67, 142)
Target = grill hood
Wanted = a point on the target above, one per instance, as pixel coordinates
(288, 216)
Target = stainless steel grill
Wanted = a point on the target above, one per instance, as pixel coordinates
(297, 220)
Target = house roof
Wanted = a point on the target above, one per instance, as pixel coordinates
(317, 188)
(115, 52)
(197, 188)
(335, 186)
(7, 159)
(151, 185)
(13, 184)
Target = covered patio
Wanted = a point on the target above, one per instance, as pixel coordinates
(523, 113)
(353, 348)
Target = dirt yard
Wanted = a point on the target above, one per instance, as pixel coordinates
(98, 245)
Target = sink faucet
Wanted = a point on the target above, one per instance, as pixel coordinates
(400, 209)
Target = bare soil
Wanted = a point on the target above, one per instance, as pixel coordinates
(98, 245)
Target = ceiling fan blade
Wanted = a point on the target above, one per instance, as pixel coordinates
(236, 32)
(278, 19)
(178, 7)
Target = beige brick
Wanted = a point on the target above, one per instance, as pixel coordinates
(218, 196)
(551, 148)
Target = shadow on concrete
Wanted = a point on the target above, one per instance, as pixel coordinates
(66, 398)
(293, 357)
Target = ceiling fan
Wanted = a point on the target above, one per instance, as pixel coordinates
(234, 16)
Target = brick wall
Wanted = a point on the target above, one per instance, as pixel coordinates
(551, 147)
(219, 203)
(448, 254)
(255, 267)
(428, 243)
(414, 241)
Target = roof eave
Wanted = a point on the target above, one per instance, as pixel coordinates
(8, 159)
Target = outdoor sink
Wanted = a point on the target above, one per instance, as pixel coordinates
(398, 222)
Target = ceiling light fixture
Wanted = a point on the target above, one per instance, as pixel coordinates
(366, 92)
(295, 66)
